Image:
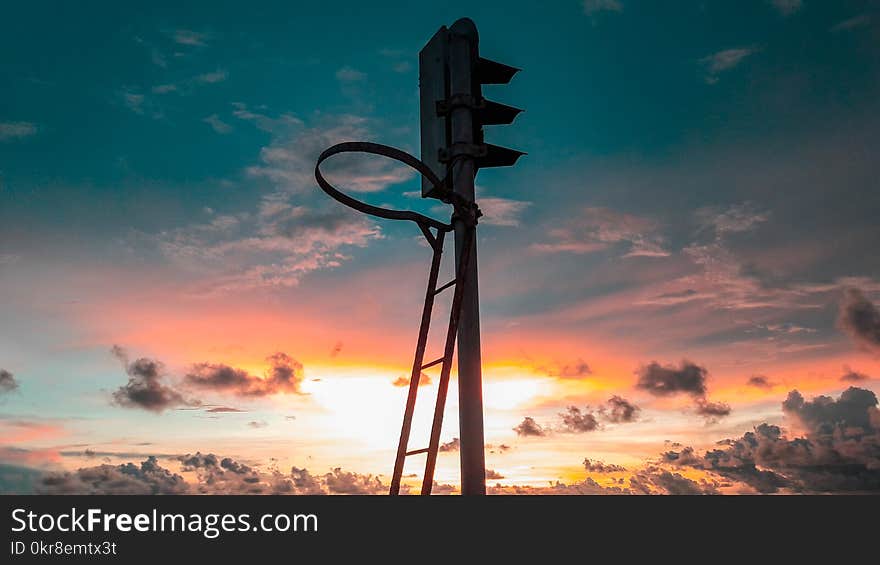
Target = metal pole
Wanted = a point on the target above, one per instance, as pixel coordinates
(462, 50)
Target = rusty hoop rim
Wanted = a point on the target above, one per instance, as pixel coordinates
(386, 213)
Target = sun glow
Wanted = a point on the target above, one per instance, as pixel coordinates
(508, 394)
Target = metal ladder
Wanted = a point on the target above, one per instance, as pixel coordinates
(419, 365)
(464, 217)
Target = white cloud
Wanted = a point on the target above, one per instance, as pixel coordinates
(211, 78)
(164, 88)
(158, 58)
(273, 248)
(186, 87)
(140, 104)
(348, 74)
(736, 218)
(787, 7)
(852, 23)
(501, 211)
(16, 130)
(597, 229)
(725, 60)
(217, 124)
(189, 37)
(283, 239)
(289, 161)
(594, 6)
(399, 59)
(391, 53)
(283, 123)
(133, 101)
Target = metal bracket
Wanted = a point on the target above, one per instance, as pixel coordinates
(473, 150)
(465, 210)
(445, 107)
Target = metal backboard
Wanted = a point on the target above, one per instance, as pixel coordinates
(433, 88)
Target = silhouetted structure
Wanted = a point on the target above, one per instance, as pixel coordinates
(453, 113)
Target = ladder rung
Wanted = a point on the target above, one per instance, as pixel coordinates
(432, 363)
(445, 286)
(417, 451)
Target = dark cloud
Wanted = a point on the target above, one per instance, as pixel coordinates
(492, 475)
(337, 349)
(233, 466)
(839, 451)
(668, 483)
(669, 380)
(147, 478)
(283, 376)
(145, 388)
(851, 376)
(424, 380)
(600, 467)
(860, 318)
(501, 448)
(90, 453)
(7, 382)
(224, 378)
(688, 378)
(651, 480)
(616, 410)
(191, 462)
(576, 422)
(454, 445)
(619, 410)
(224, 475)
(257, 424)
(586, 487)
(824, 415)
(576, 370)
(221, 409)
(304, 482)
(444, 488)
(285, 373)
(342, 482)
(759, 381)
(711, 411)
(207, 473)
(528, 427)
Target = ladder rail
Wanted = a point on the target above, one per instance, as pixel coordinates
(443, 385)
(418, 365)
(415, 376)
(465, 210)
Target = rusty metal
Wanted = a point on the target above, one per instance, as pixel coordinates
(423, 221)
(443, 385)
(417, 367)
(462, 53)
(464, 213)
(452, 115)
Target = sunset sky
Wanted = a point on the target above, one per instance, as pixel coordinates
(691, 238)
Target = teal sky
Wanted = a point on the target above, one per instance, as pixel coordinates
(700, 184)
